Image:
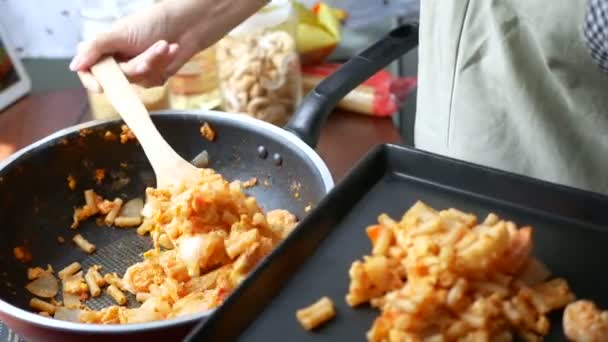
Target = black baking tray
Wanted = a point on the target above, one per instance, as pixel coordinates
(570, 234)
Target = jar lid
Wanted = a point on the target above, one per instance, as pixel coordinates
(271, 15)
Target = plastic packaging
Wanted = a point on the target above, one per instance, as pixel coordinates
(380, 95)
(259, 67)
(369, 12)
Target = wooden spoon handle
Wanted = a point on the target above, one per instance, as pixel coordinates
(123, 97)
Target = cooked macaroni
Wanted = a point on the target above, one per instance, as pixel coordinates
(440, 275)
(211, 233)
(316, 314)
(69, 270)
(42, 306)
(84, 244)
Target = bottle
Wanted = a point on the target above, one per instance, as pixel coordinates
(259, 67)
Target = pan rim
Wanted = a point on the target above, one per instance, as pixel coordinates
(23, 315)
(326, 176)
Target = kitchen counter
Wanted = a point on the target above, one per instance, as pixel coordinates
(38, 115)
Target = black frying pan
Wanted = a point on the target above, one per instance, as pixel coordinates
(36, 203)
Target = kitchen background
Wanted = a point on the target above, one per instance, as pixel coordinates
(45, 34)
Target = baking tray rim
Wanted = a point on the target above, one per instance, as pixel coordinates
(382, 153)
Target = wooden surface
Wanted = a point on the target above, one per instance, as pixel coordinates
(345, 138)
(36, 116)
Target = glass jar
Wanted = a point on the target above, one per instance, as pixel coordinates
(97, 16)
(195, 85)
(258, 65)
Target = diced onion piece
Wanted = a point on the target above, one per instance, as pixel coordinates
(65, 314)
(132, 208)
(71, 301)
(46, 286)
(201, 160)
(190, 251)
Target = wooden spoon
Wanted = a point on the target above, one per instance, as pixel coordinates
(170, 168)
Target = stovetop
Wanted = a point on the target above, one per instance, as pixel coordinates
(7, 335)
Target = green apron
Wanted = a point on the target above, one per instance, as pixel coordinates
(510, 84)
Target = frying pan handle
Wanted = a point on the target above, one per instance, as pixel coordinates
(310, 116)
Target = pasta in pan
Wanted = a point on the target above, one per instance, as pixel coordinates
(207, 237)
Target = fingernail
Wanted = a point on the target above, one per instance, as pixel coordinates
(160, 46)
(173, 48)
(75, 63)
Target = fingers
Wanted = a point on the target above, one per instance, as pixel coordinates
(89, 52)
(89, 82)
(187, 49)
(148, 69)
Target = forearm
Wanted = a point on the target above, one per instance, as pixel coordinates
(206, 21)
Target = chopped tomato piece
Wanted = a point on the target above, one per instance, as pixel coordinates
(374, 231)
(518, 251)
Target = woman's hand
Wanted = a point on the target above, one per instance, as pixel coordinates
(154, 43)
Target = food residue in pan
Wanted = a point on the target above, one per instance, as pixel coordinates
(84, 132)
(295, 186)
(207, 132)
(71, 182)
(201, 160)
(113, 211)
(207, 238)
(22, 254)
(60, 239)
(308, 208)
(119, 179)
(109, 136)
(251, 182)
(99, 176)
(126, 135)
(84, 244)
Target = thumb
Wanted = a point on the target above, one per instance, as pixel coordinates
(89, 52)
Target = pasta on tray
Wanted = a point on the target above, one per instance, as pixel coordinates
(443, 276)
(207, 237)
